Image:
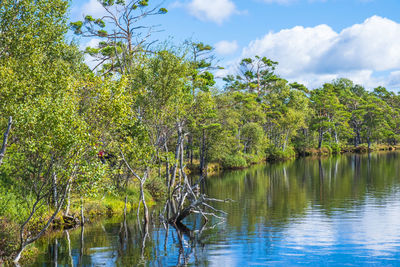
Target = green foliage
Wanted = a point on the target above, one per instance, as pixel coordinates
(253, 137)
(236, 161)
(9, 238)
(272, 153)
(156, 188)
(335, 148)
(88, 18)
(327, 149)
(102, 33)
(85, 128)
(76, 27)
(123, 40)
(254, 159)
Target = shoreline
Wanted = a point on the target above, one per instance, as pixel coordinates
(108, 207)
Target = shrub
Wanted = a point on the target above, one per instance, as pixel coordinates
(274, 153)
(335, 148)
(235, 161)
(156, 187)
(8, 238)
(326, 149)
(254, 159)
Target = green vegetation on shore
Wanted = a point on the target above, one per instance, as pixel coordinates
(80, 141)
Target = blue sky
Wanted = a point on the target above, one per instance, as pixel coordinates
(315, 41)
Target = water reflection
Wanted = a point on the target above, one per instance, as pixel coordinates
(332, 211)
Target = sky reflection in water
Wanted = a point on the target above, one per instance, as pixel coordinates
(334, 211)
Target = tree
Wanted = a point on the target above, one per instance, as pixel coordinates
(30, 27)
(48, 147)
(374, 119)
(121, 34)
(330, 115)
(203, 126)
(255, 75)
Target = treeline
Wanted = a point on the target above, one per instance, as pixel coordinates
(146, 113)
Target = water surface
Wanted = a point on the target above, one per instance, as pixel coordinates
(322, 212)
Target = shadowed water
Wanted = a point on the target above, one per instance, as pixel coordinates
(319, 212)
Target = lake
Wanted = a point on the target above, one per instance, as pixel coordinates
(333, 211)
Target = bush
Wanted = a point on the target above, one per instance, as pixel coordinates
(335, 148)
(157, 188)
(362, 148)
(326, 149)
(274, 153)
(8, 238)
(236, 161)
(254, 159)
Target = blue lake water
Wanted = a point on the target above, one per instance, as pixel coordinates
(341, 210)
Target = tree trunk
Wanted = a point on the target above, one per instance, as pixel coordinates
(55, 252)
(177, 153)
(68, 201)
(336, 136)
(3, 147)
(320, 137)
(82, 216)
(286, 141)
(166, 166)
(55, 195)
(203, 167)
(356, 138)
(369, 143)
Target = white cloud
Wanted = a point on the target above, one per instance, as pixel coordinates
(93, 42)
(212, 10)
(281, 2)
(319, 54)
(93, 8)
(226, 47)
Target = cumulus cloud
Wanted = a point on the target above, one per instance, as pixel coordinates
(226, 47)
(281, 2)
(212, 10)
(93, 8)
(317, 54)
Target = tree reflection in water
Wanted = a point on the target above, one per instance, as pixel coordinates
(270, 199)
